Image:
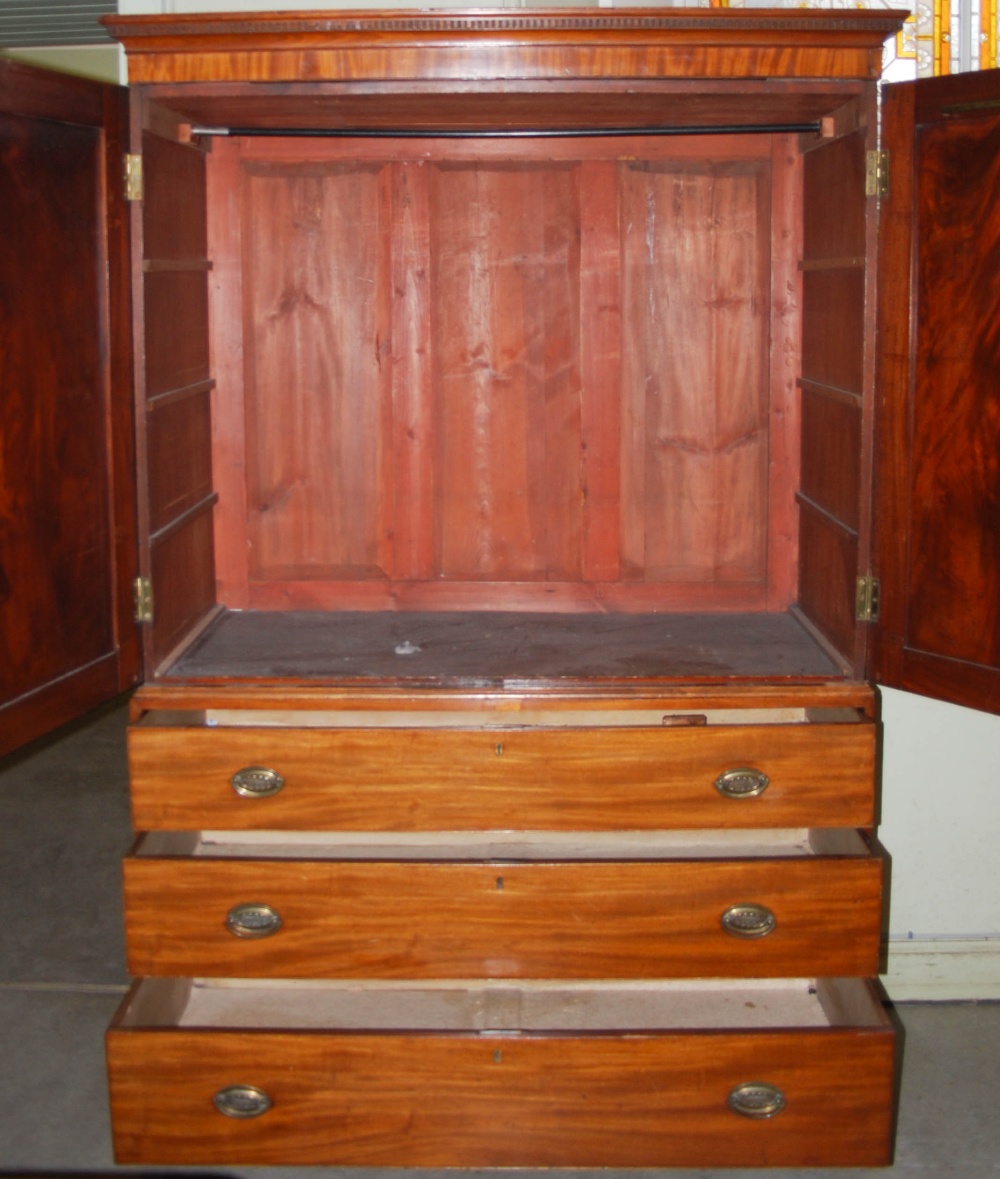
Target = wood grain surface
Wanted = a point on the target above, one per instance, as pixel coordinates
(631, 1099)
(558, 779)
(385, 919)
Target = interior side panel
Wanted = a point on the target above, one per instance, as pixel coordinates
(174, 388)
(833, 384)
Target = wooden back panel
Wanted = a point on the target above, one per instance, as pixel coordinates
(479, 376)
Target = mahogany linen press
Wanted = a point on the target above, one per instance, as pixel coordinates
(505, 446)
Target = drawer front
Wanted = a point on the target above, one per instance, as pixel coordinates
(480, 1100)
(583, 779)
(384, 919)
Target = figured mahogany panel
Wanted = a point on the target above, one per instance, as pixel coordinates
(953, 582)
(938, 471)
(433, 1099)
(454, 779)
(67, 520)
(694, 404)
(318, 350)
(392, 919)
(55, 506)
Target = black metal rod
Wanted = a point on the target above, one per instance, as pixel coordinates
(506, 132)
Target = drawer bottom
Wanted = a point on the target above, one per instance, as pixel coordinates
(775, 1073)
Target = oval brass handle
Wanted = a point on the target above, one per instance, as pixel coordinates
(743, 782)
(242, 1101)
(253, 920)
(748, 920)
(256, 782)
(755, 1099)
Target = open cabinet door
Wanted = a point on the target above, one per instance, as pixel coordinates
(68, 639)
(937, 537)
(173, 386)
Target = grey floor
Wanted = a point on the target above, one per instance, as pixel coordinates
(63, 827)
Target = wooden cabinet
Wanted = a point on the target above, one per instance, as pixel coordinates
(531, 412)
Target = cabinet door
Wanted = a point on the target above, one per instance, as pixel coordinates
(67, 512)
(173, 387)
(937, 544)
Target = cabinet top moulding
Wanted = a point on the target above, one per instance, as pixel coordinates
(500, 44)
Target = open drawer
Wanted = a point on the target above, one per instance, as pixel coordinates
(705, 1073)
(664, 905)
(340, 771)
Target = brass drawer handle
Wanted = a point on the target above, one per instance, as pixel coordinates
(755, 1099)
(742, 783)
(241, 1101)
(748, 921)
(253, 920)
(256, 782)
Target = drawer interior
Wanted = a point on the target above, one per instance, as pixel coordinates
(504, 847)
(503, 1008)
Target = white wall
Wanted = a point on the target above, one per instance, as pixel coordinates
(941, 826)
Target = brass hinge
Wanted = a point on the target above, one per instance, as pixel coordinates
(133, 177)
(877, 173)
(866, 599)
(143, 590)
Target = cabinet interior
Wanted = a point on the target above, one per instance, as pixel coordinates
(495, 1006)
(493, 848)
(491, 393)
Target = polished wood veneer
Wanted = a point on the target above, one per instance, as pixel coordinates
(509, 670)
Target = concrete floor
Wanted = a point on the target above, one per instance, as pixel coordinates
(63, 827)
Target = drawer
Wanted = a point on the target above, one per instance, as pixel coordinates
(542, 777)
(673, 907)
(797, 1073)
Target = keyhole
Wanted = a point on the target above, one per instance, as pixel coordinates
(499, 749)
(499, 884)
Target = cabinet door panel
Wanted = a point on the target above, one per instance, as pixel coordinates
(67, 518)
(938, 547)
